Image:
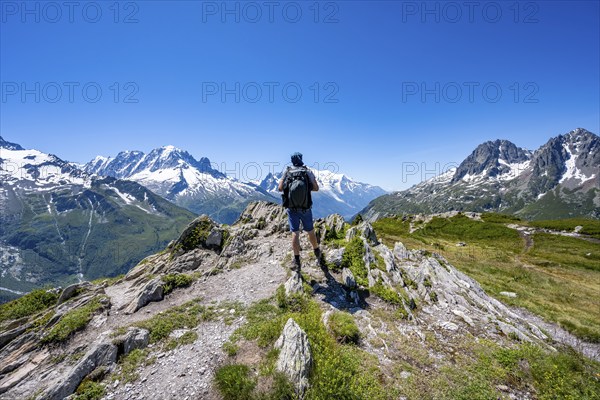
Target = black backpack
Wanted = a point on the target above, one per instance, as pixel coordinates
(296, 189)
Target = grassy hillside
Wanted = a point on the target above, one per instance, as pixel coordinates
(556, 277)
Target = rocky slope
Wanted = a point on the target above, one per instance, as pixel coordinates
(559, 180)
(175, 312)
(58, 224)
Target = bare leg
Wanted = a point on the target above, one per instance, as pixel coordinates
(296, 243)
(313, 239)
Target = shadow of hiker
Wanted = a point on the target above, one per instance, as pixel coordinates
(338, 295)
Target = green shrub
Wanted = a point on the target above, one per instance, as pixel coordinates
(296, 302)
(173, 281)
(28, 304)
(230, 348)
(234, 382)
(386, 293)
(353, 259)
(73, 321)
(343, 327)
(89, 390)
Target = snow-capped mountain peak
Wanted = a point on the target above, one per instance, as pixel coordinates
(337, 193)
(560, 179)
(499, 159)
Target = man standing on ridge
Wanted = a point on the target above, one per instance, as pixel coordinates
(297, 183)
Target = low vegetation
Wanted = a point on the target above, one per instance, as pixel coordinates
(553, 276)
(353, 259)
(186, 316)
(341, 369)
(343, 327)
(176, 280)
(74, 321)
(27, 305)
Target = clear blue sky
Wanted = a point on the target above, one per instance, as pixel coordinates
(373, 58)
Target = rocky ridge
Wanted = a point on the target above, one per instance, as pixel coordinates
(228, 269)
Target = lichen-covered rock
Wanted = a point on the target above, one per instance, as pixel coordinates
(268, 216)
(401, 252)
(335, 256)
(295, 358)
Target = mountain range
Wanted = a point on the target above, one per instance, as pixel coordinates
(196, 185)
(561, 179)
(59, 224)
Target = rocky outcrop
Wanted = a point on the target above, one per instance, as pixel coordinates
(103, 353)
(294, 284)
(72, 290)
(200, 233)
(295, 358)
(365, 230)
(134, 338)
(153, 291)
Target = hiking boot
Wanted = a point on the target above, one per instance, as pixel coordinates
(296, 265)
(320, 259)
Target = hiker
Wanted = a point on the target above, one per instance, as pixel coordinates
(296, 184)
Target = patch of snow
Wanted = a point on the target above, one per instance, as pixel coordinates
(572, 172)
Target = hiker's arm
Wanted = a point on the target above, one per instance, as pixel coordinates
(313, 182)
(280, 187)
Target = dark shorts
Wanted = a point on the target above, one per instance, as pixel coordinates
(294, 218)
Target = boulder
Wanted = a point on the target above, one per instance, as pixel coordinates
(401, 252)
(335, 256)
(134, 338)
(153, 291)
(295, 358)
(294, 284)
(71, 291)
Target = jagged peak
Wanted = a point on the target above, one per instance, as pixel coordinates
(9, 146)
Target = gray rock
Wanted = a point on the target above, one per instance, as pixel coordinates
(365, 230)
(335, 256)
(295, 358)
(401, 252)
(153, 291)
(235, 247)
(135, 338)
(7, 337)
(215, 238)
(103, 353)
(508, 294)
(294, 284)
(71, 290)
(348, 278)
